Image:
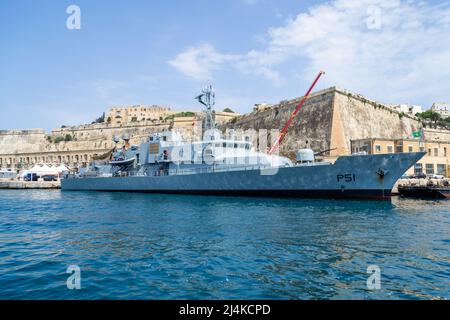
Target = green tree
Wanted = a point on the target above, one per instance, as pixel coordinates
(228, 110)
(431, 116)
(58, 139)
(181, 114)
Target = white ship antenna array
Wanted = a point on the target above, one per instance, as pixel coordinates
(207, 98)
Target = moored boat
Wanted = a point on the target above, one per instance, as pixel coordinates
(424, 192)
(217, 166)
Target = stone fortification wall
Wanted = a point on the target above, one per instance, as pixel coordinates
(311, 128)
(330, 119)
(12, 141)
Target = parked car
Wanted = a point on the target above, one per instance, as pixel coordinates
(49, 178)
(30, 177)
(420, 176)
(437, 176)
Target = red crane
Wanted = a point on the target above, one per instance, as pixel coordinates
(286, 126)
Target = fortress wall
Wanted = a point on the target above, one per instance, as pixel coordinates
(311, 127)
(93, 138)
(330, 119)
(12, 141)
(437, 135)
(361, 118)
(107, 132)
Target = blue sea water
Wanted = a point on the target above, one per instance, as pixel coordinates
(144, 246)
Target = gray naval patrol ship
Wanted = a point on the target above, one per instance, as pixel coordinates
(217, 166)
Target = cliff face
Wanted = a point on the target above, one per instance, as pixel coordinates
(330, 119)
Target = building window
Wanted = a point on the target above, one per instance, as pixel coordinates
(445, 152)
(429, 152)
(418, 168)
(436, 152)
(377, 148)
(410, 148)
(429, 168)
(422, 149)
(390, 149)
(441, 170)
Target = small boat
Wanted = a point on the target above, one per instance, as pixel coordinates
(424, 192)
(122, 162)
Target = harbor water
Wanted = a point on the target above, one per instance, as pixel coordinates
(151, 246)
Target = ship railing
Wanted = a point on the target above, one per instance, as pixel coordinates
(185, 171)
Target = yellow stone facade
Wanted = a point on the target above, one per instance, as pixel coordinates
(436, 161)
(138, 113)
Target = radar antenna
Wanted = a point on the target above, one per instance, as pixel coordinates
(207, 99)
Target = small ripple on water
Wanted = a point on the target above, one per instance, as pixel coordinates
(135, 246)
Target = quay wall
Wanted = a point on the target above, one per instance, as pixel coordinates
(8, 184)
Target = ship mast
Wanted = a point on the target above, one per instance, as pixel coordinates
(207, 99)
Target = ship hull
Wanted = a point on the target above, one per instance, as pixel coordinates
(369, 177)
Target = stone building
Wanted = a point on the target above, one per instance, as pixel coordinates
(411, 110)
(137, 113)
(436, 160)
(442, 108)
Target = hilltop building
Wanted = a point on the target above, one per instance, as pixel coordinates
(411, 110)
(442, 108)
(137, 113)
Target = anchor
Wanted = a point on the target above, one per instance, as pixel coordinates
(382, 172)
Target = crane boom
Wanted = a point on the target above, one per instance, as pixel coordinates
(288, 123)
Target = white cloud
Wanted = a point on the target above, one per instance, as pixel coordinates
(105, 89)
(403, 57)
(199, 62)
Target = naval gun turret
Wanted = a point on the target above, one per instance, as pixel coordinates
(305, 156)
(126, 158)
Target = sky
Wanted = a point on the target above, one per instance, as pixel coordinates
(251, 51)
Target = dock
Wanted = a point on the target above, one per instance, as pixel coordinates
(14, 184)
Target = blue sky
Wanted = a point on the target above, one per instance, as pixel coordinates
(252, 51)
